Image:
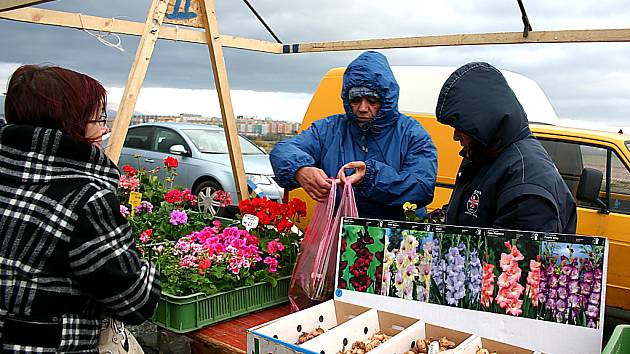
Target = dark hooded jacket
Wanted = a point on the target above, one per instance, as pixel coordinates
(400, 157)
(509, 181)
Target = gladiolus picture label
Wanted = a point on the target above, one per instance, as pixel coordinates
(557, 278)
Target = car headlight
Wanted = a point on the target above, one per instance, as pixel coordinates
(259, 179)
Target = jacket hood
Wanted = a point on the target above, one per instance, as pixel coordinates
(36, 155)
(371, 69)
(477, 100)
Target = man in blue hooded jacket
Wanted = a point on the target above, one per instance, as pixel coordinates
(506, 180)
(393, 157)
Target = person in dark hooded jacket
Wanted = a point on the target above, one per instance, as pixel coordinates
(393, 157)
(506, 180)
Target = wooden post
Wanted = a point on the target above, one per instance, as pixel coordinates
(225, 101)
(136, 77)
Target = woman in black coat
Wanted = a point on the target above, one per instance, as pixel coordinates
(67, 258)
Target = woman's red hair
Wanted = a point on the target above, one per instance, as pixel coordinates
(54, 97)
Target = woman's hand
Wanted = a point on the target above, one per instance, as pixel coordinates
(356, 177)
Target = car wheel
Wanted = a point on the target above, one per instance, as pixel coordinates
(206, 196)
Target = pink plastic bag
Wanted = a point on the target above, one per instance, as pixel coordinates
(313, 278)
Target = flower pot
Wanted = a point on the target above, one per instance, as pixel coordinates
(183, 314)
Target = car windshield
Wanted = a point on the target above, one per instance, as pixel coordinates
(628, 145)
(214, 142)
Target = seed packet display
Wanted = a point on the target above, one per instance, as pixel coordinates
(539, 277)
(551, 277)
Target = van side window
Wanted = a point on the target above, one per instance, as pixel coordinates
(571, 158)
(619, 186)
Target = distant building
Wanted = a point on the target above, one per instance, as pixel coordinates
(249, 126)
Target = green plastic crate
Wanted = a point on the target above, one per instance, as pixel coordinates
(619, 342)
(183, 314)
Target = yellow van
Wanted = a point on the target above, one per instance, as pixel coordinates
(572, 150)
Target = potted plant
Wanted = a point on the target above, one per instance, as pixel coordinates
(211, 269)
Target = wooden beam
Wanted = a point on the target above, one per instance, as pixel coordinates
(6, 5)
(225, 100)
(137, 73)
(112, 25)
(566, 36)
(80, 21)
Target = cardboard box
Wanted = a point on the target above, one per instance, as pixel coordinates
(365, 326)
(475, 343)
(406, 340)
(281, 335)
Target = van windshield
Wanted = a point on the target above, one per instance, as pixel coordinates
(214, 142)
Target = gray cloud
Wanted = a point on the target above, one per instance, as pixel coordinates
(587, 81)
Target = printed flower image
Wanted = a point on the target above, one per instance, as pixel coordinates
(361, 262)
(551, 281)
(456, 270)
(547, 277)
(570, 283)
(407, 264)
(510, 274)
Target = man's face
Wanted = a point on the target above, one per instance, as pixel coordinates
(465, 140)
(365, 108)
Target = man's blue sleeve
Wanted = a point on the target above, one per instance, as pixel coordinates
(415, 182)
(288, 156)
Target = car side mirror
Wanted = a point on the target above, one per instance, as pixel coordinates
(588, 188)
(178, 150)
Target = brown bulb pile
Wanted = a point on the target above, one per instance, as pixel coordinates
(422, 345)
(362, 347)
(308, 336)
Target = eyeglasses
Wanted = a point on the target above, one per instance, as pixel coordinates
(101, 122)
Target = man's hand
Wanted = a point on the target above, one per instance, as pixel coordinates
(315, 182)
(356, 177)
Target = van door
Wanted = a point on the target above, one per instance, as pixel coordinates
(610, 219)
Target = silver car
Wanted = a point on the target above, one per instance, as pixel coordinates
(204, 162)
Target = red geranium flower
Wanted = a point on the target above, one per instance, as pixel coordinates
(171, 162)
(129, 170)
(173, 196)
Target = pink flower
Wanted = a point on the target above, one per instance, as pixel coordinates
(273, 264)
(274, 247)
(487, 284)
(235, 265)
(129, 182)
(187, 261)
(533, 282)
(510, 291)
(223, 197)
(178, 217)
(144, 206)
(124, 211)
(145, 235)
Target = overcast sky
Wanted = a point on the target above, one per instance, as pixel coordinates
(588, 84)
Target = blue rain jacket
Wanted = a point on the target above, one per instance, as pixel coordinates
(400, 157)
(517, 186)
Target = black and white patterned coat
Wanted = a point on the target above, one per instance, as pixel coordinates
(65, 249)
